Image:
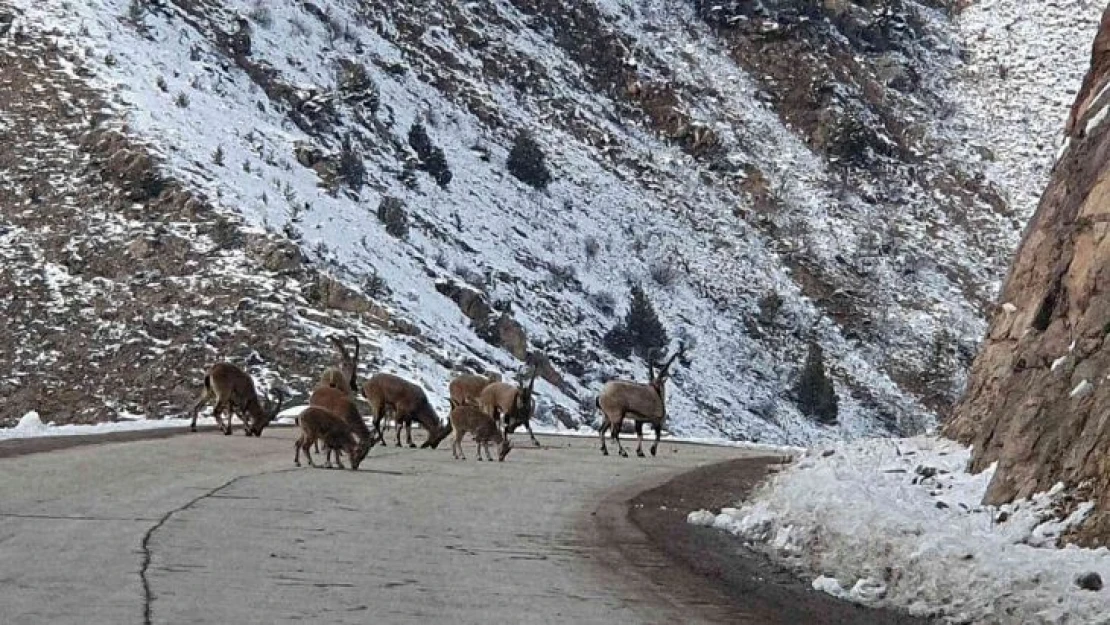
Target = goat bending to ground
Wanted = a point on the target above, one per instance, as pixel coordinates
(468, 418)
(319, 424)
(233, 390)
(511, 402)
(646, 403)
(385, 391)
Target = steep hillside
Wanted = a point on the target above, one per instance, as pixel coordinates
(773, 177)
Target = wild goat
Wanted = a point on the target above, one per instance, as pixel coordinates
(345, 377)
(469, 418)
(233, 390)
(385, 391)
(466, 388)
(316, 424)
(646, 403)
(511, 402)
(333, 391)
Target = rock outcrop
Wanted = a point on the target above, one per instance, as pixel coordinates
(1038, 398)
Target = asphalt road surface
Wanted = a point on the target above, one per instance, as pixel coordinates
(203, 528)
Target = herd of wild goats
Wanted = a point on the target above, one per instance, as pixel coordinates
(484, 406)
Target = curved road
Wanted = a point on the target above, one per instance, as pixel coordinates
(213, 529)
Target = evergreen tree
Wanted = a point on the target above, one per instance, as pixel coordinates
(527, 161)
(644, 329)
(814, 390)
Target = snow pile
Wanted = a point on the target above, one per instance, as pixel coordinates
(898, 522)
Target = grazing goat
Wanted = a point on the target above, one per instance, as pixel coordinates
(469, 418)
(646, 403)
(511, 402)
(339, 403)
(233, 390)
(385, 391)
(466, 388)
(316, 424)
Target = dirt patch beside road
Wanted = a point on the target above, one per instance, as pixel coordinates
(708, 570)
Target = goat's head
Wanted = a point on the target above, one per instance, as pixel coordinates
(360, 451)
(264, 417)
(659, 379)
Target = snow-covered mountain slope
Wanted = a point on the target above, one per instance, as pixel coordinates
(772, 177)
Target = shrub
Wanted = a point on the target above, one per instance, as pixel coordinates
(604, 302)
(592, 247)
(663, 272)
(350, 168)
(814, 391)
(392, 213)
(373, 285)
(355, 84)
(432, 159)
(260, 14)
(161, 83)
(562, 275)
(182, 100)
(218, 156)
(527, 161)
(769, 307)
(618, 342)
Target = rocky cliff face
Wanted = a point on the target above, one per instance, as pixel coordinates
(1038, 398)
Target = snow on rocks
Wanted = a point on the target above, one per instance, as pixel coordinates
(865, 523)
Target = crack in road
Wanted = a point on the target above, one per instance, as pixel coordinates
(148, 595)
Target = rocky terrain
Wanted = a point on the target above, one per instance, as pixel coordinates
(480, 185)
(1038, 395)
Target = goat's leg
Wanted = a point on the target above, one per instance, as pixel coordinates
(240, 412)
(617, 436)
(398, 424)
(220, 406)
(408, 433)
(456, 446)
(639, 438)
(327, 456)
(338, 462)
(485, 445)
(196, 410)
(297, 451)
(308, 456)
(605, 425)
(478, 446)
(528, 426)
(658, 427)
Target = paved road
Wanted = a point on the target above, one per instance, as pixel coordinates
(204, 528)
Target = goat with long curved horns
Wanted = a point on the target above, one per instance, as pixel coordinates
(645, 403)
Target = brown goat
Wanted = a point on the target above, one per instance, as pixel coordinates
(465, 388)
(335, 401)
(385, 391)
(512, 402)
(233, 390)
(469, 418)
(316, 424)
(645, 403)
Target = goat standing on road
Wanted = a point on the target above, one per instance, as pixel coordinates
(645, 403)
(233, 390)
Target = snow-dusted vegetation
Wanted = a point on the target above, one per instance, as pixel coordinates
(764, 221)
